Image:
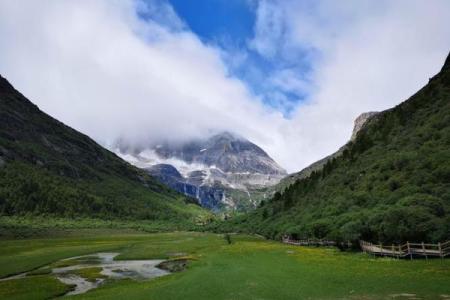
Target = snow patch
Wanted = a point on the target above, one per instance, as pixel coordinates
(149, 158)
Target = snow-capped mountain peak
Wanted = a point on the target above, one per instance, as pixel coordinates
(220, 171)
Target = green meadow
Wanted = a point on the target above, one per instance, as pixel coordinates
(247, 268)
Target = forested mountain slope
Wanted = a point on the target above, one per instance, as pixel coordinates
(48, 168)
(392, 183)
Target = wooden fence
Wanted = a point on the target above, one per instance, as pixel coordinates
(408, 250)
(399, 251)
(308, 242)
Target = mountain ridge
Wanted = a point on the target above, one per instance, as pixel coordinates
(49, 168)
(359, 124)
(391, 184)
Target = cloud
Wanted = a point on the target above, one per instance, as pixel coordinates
(133, 69)
(364, 56)
(102, 69)
(269, 29)
(160, 12)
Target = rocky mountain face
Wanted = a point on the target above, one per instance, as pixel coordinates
(222, 172)
(360, 121)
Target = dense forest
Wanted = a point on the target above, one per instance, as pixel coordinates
(391, 184)
(48, 168)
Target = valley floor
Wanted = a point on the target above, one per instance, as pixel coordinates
(248, 268)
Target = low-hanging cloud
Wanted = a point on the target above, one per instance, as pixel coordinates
(99, 67)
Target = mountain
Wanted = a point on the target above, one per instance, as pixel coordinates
(391, 183)
(222, 172)
(48, 168)
(359, 123)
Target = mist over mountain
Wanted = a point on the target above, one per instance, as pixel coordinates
(224, 171)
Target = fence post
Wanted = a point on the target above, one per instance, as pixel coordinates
(409, 250)
(440, 250)
(424, 252)
(373, 250)
(381, 248)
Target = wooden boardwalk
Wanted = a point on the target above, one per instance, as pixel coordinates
(408, 250)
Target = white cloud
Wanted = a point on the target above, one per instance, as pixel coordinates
(102, 70)
(99, 68)
(269, 29)
(288, 80)
(371, 55)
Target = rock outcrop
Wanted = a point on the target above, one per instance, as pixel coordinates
(360, 121)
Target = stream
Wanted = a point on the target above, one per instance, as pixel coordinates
(65, 270)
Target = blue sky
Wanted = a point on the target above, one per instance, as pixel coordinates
(230, 24)
(218, 20)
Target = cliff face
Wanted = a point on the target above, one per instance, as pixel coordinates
(360, 121)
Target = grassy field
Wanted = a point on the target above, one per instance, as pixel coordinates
(248, 268)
